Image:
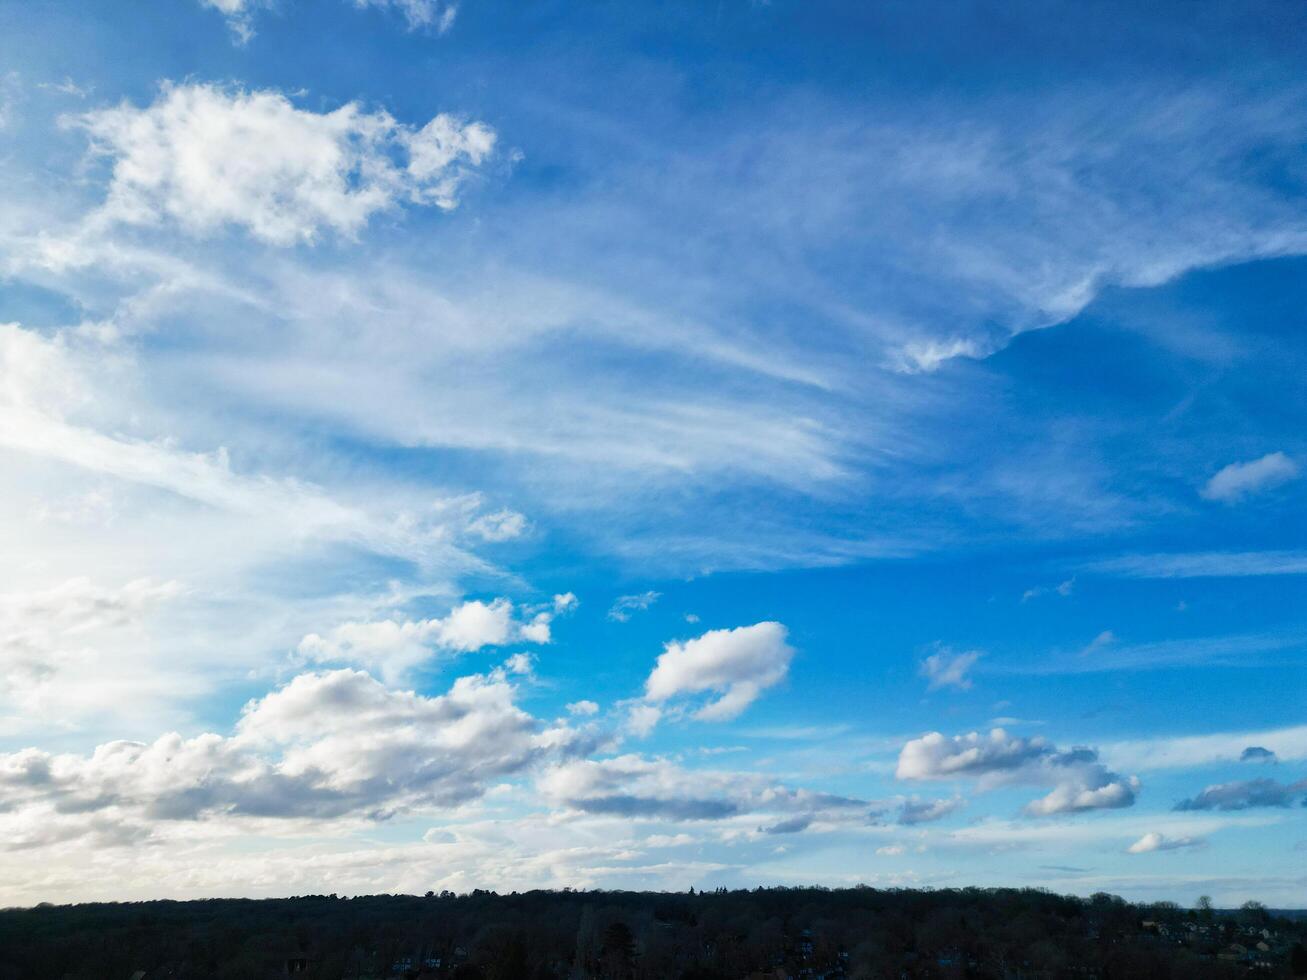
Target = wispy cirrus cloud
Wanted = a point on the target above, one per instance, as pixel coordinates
(948, 668)
(624, 606)
(1214, 748)
(1203, 564)
(435, 15)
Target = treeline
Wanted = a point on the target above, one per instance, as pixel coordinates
(607, 935)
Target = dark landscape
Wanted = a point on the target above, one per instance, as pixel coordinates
(769, 933)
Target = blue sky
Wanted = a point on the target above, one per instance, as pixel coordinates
(453, 446)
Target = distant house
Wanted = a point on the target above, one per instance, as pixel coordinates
(296, 963)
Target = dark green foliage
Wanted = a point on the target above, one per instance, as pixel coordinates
(854, 934)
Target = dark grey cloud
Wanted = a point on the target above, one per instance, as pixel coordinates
(648, 806)
(1246, 794)
(794, 825)
(1255, 753)
(916, 811)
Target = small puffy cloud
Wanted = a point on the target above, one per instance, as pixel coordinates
(1079, 781)
(936, 756)
(583, 709)
(1158, 842)
(946, 668)
(206, 158)
(1090, 788)
(1246, 794)
(1257, 753)
(1238, 481)
(501, 525)
(737, 664)
(395, 646)
(625, 605)
(915, 811)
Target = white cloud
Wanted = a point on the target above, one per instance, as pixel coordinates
(396, 646)
(71, 645)
(206, 158)
(925, 356)
(502, 525)
(1079, 781)
(1238, 481)
(239, 14)
(583, 709)
(437, 15)
(1205, 564)
(1089, 788)
(738, 664)
(1153, 841)
(624, 605)
(325, 746)
(642, 719)
(1062, 589)
(1190, 751)
(946, 668)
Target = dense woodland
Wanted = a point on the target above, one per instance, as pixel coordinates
(724, 935)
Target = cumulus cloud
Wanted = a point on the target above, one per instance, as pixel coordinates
(642, 719)
(206, 158)
(640, 787)
(501, 525)
(1246, 794)
(738, 664)
(395, 646)
(947, 668)
(326, 745)
(583, 709)
(1079, 781)
(1154, 841)
(915, 811)
(1238, 481)
(624, 605)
